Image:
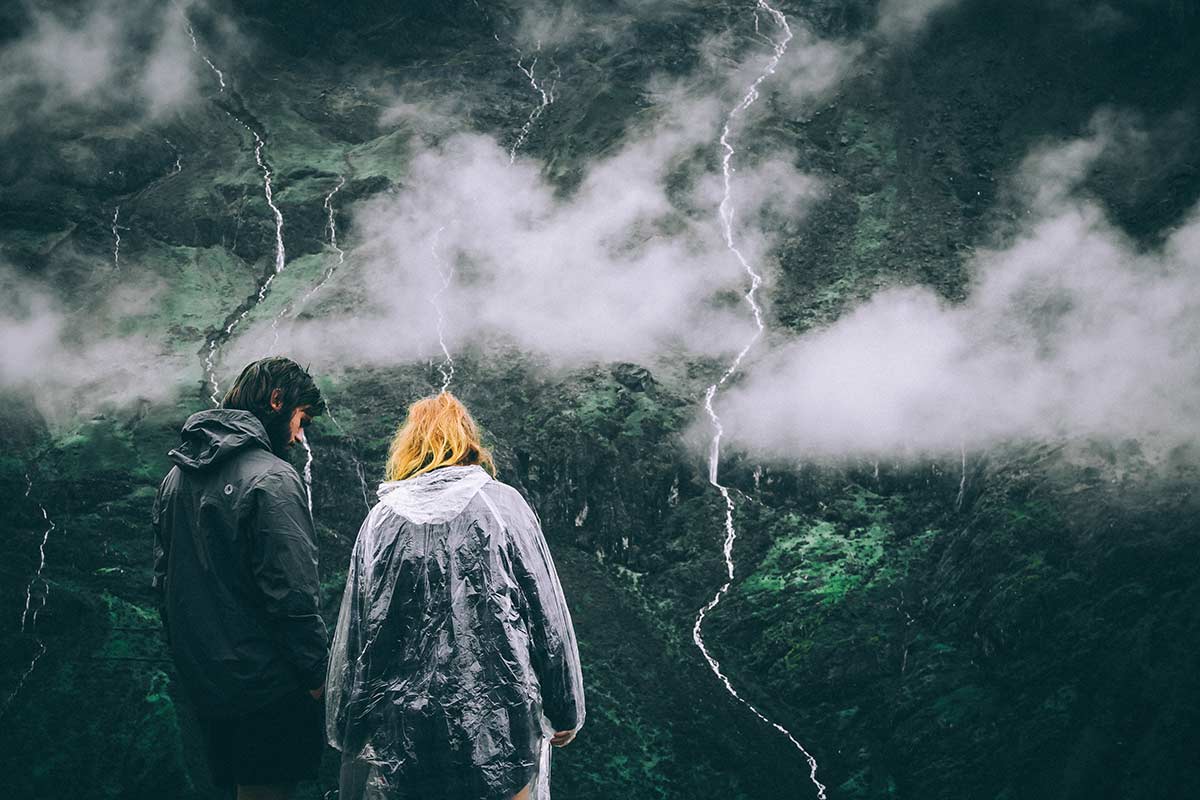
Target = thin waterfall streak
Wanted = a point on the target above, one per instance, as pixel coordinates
(275, 328)
(280, 260)
(178, 166)
(210, 372)
(331, 232)
(727, 213)
(214, 342)
(546, 98)
(116, 232)
(41, 651)
(358, 467)
(362, 481)
(445, 276)
(196, 49)
(331, 228)
(308, 465)
(29, 614)
(331, 224)
(962, 482)
(259, 144)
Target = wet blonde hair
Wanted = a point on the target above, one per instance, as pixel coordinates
(438, 432)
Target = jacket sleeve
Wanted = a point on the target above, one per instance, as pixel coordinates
(555, 652)
(283, 560)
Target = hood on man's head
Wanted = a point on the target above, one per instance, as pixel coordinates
(210, 437)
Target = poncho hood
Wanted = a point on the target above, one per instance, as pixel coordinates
(434, 497)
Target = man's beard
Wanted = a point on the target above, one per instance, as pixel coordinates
(279, 431)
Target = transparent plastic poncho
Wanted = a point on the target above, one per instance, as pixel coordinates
(454, 657)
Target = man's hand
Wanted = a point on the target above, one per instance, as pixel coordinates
(316, 693)
(562, 738)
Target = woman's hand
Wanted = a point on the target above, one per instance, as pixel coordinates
(562, 738)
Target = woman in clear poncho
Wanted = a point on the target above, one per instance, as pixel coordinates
(454, 665)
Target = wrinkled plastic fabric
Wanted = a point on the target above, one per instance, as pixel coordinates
(454, 657)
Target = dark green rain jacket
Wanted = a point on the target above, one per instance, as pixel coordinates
(236, 568)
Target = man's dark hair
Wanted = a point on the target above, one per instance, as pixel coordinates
(252, 389)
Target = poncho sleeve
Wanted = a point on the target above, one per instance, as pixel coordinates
(342, 675)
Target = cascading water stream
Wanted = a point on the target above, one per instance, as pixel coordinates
(32, 607)
(358, 467)
(362, 482)
(115, 225)
(445, 276)
(196, 49)
(331, 232)
(308, 464)
(116, 232)
(539, 87)
(727, 212)
(962, 482)
(268, 191)
(214, 342)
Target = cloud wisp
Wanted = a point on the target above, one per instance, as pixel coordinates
(621, 268)
(67, 364)
(132, 58)
(1070, 330)
(900, 20)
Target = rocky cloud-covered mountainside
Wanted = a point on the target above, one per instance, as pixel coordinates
(961, 453)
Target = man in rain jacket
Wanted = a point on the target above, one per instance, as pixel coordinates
(236, 571)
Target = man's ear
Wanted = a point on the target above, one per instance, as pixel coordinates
(276, 399)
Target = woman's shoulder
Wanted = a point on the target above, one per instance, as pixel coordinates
(498, 489)
(506, 499)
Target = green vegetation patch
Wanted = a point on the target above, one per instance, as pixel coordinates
(827, 559)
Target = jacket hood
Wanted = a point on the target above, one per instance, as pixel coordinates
(210, 437)
(436, 496)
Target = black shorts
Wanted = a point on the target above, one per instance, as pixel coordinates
(281, 743)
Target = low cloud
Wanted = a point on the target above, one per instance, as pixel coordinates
(64, 361)
(1070, 330)
(630, 265)
(903, 19)
(131, 57)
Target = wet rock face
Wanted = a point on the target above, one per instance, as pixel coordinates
(1018, 624)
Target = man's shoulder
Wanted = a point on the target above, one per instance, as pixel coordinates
(255, 465)
(269, 477)
(255, 471)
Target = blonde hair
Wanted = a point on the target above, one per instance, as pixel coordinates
(438, 432)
